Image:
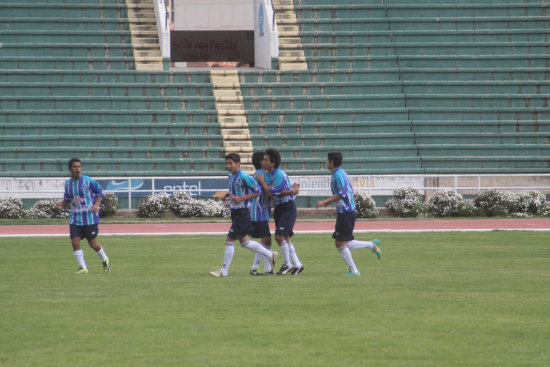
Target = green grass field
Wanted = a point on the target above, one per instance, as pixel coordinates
(435, 299)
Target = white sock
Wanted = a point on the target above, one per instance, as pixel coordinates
(267, 264)
(354, 244)
(257, 248)
(293, 256)
(102, 255)
(228, 256)
(348, 259)
(79, 256)
(267, 260)
(257, 259)
(285, 253)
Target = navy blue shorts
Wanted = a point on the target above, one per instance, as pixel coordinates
(88, 232)
(345, 223)
(240, 224)
(285, 218)
(261, 229)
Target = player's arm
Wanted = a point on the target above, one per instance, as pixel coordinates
(252, 195)
(95, 208)
(255, 190)
(334, 198)
(293, 191)
(61, 204)
(267, 189)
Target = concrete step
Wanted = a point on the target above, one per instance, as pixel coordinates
(227, 93)
(230, 120)
(293, 66)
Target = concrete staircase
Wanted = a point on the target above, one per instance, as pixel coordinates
(291, 54)
(143, 28)
(231, 116)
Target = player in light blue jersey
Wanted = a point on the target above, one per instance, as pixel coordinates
(260, 212)
(277, 185)
(342, 191)
(242, 188)
(85, 195)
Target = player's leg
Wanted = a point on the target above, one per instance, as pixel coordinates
(266, 242)
(227, 258)
(280, 238)
(298, 266)
(257, 256)
(256, 247)
(354, 244)
(75, 233)
(343, 233)
(91, 232)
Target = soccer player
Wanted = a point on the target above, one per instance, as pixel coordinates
(85, 195)
(242, 188)
(342, 191)
(276, 184)
(260, 211)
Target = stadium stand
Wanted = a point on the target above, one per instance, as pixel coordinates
(434, 86)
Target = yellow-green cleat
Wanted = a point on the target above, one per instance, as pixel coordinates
(376, 248)
(81, 270)
(106, 265)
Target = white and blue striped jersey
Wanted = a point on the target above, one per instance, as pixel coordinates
(341, 185)
(260, 208)
(82, 194)
(279, 181)
(241, 184)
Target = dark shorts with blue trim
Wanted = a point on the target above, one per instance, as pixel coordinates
(88, 232)
(285, 218)
(240, 224)
(345, 223)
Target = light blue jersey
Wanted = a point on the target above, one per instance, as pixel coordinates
(341, 185)
(82, 194)
(260, 208)
(279, 181)
(241, 184)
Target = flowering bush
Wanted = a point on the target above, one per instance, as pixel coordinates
(490, 203)
(153, 205)
(187, 206)
(108, 205)
(445, 203)
(47, 209)
(532, 202)
(11, 208)
(366, 207)
(406, 202)
(467, 208)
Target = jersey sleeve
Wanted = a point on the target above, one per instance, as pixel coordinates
(96, 188)
(340, 186)
(277, 183)
(252, 184)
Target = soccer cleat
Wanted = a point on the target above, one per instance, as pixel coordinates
(269, 273)
(255, 272)
(218, 273)
(274, 259)
(351, 274)
(106, 265)
(284, 270)
(81, 270)
(376, 248)
(296, 271)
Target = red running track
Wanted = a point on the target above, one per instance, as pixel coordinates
(304, 227)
